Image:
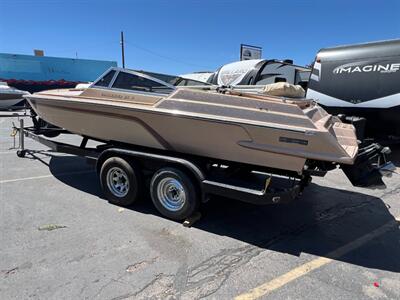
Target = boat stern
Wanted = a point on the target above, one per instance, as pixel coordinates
(345, 135)
(364, 166)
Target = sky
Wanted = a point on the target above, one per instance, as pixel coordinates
(178, 37)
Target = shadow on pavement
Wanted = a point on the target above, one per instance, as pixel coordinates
(75, 172)
(395, 155)
(322, 220)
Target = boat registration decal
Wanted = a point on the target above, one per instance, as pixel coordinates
(284, 139)
(118, 96)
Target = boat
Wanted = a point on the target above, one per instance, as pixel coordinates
(10, 96)
(220, 124)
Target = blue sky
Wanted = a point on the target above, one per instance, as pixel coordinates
(184, 36)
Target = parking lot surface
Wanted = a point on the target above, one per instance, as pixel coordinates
(59, 239)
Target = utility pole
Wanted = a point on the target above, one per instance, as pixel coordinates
(122, 49)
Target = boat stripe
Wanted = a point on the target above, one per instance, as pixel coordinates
(151, 130)
(180, 114)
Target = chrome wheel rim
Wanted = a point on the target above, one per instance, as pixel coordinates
(171, 194)
(118, 182)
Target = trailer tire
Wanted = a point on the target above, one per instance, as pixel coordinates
(120, 181)
(174, 194)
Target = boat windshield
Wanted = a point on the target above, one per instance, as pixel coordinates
(143, 81)
(175, 80)
(105, 80)
(129, 81)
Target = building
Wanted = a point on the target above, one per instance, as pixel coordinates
(35, 73)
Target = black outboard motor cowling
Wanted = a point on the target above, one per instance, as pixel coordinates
(370, 165)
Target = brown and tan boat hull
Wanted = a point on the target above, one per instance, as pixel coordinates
(269, 133)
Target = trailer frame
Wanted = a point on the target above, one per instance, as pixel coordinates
(202, 177)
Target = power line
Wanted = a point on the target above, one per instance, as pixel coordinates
(165, 57)
(97, 45)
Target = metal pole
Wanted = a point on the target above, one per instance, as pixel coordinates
(21, 134)
(122, 49)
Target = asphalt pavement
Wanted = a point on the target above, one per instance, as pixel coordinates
(60, 239)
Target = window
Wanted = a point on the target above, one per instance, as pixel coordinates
(129, 81)
(189, 82)
(280, 79)
(105, 81)
(273, 72)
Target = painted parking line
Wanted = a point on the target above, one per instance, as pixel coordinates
(9, 152)
(317, 263)
(45, 176)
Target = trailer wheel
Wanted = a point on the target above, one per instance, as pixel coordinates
(120, 181)
(174, 194)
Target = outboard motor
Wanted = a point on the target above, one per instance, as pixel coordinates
(370, 165)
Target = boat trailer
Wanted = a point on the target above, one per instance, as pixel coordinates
(208, 178)
(174, 177)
